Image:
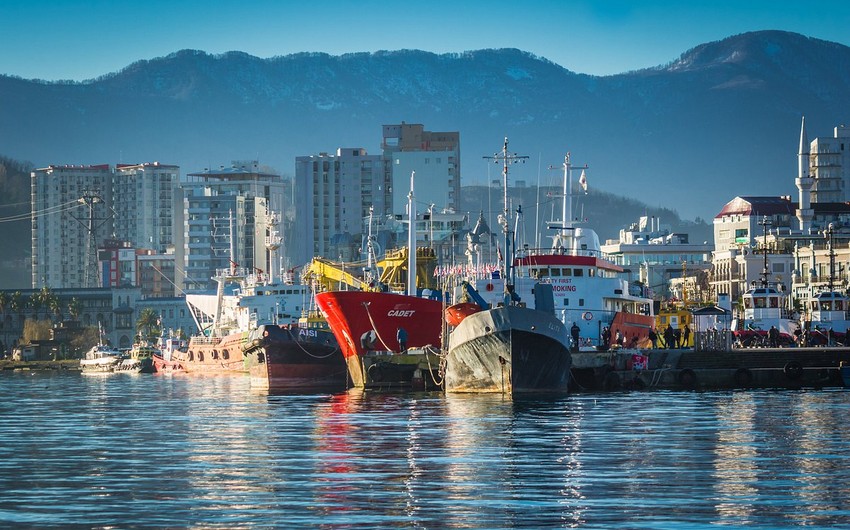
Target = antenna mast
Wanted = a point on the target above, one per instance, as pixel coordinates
(506, 159)
(91, 273)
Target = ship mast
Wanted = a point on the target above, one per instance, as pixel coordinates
(506, 159)
(411, 240)
(560, 240)
(765, 273)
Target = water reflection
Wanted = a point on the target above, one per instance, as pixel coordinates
(179, 451)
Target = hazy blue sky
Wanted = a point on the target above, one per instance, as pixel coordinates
(65, 39)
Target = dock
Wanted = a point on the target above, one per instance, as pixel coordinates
(686, 369)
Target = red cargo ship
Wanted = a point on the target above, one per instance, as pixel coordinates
(364, 322)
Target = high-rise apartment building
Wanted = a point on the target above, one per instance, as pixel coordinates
(221, 215)
(334, 193)
(434, 156)
(71, 214)
(829, 159)
(146, 190)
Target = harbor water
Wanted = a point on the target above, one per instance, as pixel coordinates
(153, 451)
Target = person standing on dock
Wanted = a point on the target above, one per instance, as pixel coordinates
(773, 337)
(401, 337)
(669, 337)
(575, 333)
(606, 338)
(686, 335)
(653, 337)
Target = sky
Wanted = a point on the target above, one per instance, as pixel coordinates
(79, 40)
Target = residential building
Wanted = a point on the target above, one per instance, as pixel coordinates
(435, 159)
(71, 214)
(736, 262)
(334, 194)
(829, 164)
(223, 218)
(146, 190)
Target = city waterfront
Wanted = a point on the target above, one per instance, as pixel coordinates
(122, 450)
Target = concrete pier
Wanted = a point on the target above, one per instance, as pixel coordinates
(686, 369)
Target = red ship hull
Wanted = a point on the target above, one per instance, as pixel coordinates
(365, 322)
(214, 355)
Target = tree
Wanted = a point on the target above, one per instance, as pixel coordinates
(4, 301)
(75, 308)
(16, 302)
(148, 324)
(35, 303)
(35, 330)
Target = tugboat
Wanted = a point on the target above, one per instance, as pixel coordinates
(140, 358)
(764, 308)
(509, 348)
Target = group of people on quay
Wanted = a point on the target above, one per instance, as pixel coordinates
(671, 338)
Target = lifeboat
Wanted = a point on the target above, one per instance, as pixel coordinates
(456, 313)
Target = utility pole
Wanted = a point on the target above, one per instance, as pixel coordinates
(91, 224)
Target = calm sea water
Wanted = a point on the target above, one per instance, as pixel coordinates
(126, 451)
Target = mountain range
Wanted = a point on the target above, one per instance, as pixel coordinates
(721, 120)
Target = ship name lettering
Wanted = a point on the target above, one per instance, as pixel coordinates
(308, 332)
(400, 313)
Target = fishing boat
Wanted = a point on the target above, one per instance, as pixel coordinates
(765, 307)
(295, 356)
(163, 359)
(101, 358)
(139, 358)
(509, 347)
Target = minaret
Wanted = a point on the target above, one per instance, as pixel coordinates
(804, 183)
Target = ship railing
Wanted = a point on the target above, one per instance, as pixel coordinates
(561, 251)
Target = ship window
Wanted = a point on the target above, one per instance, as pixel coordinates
(814, 305)
(774, 302)
(826, 306)
(191, 356)
(748, 303)
(225, 354)
(200, 356)
(566, 301)
(581, 302)
(579, 272)
(555, 272)
(215, 354)
(568, 272)
(591, 272)
(544, 272)
(759, 302)
(839, 305)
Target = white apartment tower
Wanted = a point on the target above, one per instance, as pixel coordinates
(829, 163)
(434, 156)
(220, 217)
(71, 214)
(333, 195)
(146, 190)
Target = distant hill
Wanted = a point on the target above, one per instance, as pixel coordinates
(722, 120)
(15, 224)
